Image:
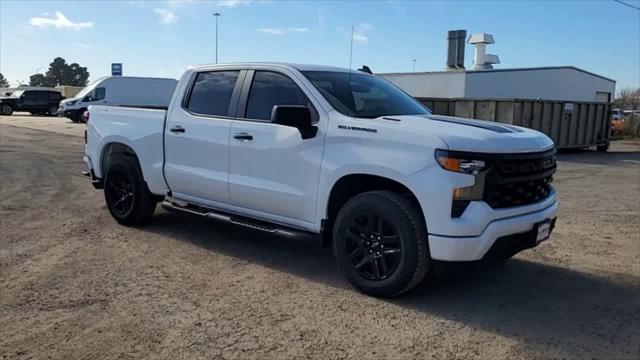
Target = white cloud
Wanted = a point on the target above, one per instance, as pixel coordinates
(60, 22)
(232, 3)
(138, 3)
(166, 16)
(82, 45)
(360, 32)
(282, 31)
(174, 4)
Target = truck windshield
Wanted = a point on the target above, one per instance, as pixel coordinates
(362, 95)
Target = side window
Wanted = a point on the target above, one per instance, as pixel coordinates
(96, 94)
(269, 89)
(29, 95)
(55, 96)
(211, 92)
(100, 94)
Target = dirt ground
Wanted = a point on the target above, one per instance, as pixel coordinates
(75, 285)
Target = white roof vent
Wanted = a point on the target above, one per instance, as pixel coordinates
(482, 60)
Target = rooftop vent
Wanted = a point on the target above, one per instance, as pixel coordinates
(482, 60)
(455, 49)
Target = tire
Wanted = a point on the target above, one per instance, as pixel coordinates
(53, 111)
(79, 118)
(6, 110)
(366, 224)
(126, 194)
(602, 148)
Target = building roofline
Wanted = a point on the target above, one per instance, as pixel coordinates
(504, 70)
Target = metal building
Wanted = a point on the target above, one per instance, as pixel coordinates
(557, 83)
(569, 104)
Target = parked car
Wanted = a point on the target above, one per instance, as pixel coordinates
(119, 91)
(617, 114)
(34, 101)
(302, 150)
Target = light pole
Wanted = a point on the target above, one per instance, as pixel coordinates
(216, 16)
(414, 65)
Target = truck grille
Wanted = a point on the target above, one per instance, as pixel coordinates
(519, 179)
(518, 193)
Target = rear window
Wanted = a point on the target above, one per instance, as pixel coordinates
(55, 96)
(211, 92)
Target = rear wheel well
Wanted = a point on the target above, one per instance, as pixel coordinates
(113, 150)
(351, 185)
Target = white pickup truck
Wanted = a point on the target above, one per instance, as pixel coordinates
(300, 149)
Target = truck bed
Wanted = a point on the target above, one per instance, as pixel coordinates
(141, 129)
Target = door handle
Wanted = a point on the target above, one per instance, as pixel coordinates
(177, 129)
(243, 136)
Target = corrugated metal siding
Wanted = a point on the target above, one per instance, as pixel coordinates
(587, 124)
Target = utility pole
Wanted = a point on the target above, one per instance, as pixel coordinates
(351, 51)
(216, 15)
(414, 65)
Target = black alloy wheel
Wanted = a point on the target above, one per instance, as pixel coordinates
(119, 192)
(380, 243)
(373, 246)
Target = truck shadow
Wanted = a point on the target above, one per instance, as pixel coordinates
(519, 299)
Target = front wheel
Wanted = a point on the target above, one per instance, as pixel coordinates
(380, 243)
(6, 109)
(126, 194)
(79, 118)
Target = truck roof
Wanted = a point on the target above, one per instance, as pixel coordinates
(300, 67)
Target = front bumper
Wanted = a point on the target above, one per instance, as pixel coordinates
(68, 113)
(471, 248)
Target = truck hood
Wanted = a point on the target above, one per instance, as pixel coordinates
(478, 135)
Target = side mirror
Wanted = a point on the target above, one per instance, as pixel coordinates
(296, 116)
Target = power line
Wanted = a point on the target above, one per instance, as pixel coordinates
(625, 4)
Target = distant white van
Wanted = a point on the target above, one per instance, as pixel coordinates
(119, 91)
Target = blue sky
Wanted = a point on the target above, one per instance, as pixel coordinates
(162, 38)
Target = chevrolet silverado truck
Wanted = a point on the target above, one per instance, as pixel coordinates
(342, 155)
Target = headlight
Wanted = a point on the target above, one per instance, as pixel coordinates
(69, 103)
(459, 164)
(462, 197)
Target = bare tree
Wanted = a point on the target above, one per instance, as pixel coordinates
(628, 98)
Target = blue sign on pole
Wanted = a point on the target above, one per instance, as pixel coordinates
(116, 69)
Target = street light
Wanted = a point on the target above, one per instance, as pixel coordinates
(216, 16)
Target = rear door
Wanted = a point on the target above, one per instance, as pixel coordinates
(273, 172)
(197, 138)
(54, 99)
(29, 101)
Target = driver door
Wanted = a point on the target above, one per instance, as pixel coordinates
(273, 172)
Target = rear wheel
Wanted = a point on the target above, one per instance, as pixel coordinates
(126, 194)
(380, 243)
(6, 109)
(53, 111)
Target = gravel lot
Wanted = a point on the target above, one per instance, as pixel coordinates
(75, 285)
